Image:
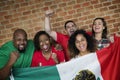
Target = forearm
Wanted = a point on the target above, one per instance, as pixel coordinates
(47, 25)
(5, 72)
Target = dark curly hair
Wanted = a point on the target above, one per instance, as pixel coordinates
(68, 22)
(91, 45)
(36, 39)
(104, 34)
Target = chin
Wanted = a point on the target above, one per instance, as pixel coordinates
(21, 51)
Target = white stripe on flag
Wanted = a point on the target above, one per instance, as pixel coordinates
(70, 69)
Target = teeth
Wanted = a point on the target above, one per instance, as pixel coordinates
(45, 47)
(21, 46)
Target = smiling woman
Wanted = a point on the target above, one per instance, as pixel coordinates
(45, 53)
(81, 43)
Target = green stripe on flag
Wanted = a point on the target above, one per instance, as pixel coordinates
(36, 73)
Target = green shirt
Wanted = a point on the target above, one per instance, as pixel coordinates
(23, 61)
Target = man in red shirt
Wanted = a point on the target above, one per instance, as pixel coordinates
(70, 28)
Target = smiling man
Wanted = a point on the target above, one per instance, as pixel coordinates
(15, 54)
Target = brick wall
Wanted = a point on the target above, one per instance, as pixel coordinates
(29, 15)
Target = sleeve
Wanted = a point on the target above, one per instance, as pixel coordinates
(60, 56)
(4, 55)
(60, 37)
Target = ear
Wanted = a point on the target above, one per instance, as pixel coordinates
(103, 28)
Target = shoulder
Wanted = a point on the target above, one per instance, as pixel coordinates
(8, 44)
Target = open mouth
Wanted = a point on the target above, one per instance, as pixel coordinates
(45, 47)
(21, 47)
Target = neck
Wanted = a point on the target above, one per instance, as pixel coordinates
(84, 53)
(98, 36)
(47, 52)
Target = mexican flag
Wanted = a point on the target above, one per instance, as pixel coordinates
(101, 65)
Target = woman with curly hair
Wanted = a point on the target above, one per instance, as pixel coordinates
(81, 43)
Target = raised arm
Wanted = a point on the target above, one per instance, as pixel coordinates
(53, 34)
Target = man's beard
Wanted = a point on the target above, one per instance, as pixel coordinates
(21, 48)
(21, 51)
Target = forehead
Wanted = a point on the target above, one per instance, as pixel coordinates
(79, 36)
(98, 20)
(70, 23)
(43, 36)
(20, 35)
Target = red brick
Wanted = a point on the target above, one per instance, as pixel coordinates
(62, 5)
(104, 9)
(27, 13)
(15, 20)
(113, 7)
(8, 17)
(115, 1)
(2, 36)
(19, 1)
(111, 21)
(117, 11)
(77, 6)
(22, 9)
(71, 12)
(48, 3)
(2, 27)
(94, 2)
(71, 3)
(91, 16)
(114, 30)
(98, 5)
(89, 8)
(107, 4)
(16, 15)
(68, 8)
(88, 22)
(107, 17)
(5, 22)
(2, 4)
(59, 19)
(45, 8)
(15, 6)
(115, 15)
(103, 0)
(6, 8)
(83, 18)
(56, 24)
(4, 13)
(77, 15)
(53, 7)
(2, 18)
(81, 10)
(116, 24)
(9, 26)
(25, 18)
(85, 4)
(10, 2)
(86, 13)
(24, 4)
(80, 1)
(68, 17)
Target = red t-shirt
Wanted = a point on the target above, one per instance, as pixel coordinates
(63, 40)
(39, 59)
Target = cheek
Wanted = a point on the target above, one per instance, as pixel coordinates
(47, 42)
(40, 44)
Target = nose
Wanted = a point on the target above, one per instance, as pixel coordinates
(22, 41)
